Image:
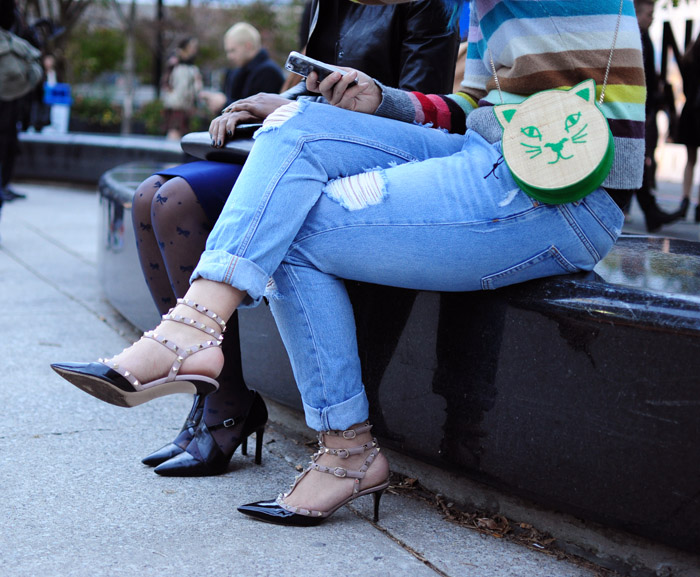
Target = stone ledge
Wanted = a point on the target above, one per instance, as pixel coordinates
(83, 157)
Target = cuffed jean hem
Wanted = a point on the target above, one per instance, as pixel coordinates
(338, 417)
(239, 272)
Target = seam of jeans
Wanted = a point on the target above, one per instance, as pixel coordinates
(301, 239)
(319, 366)
(593, 213)
(565, 211)
(230, 268)
(265, 199)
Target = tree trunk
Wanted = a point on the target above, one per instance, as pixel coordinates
(129, 70)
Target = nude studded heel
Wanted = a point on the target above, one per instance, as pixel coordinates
(111, 383)
(281, 513)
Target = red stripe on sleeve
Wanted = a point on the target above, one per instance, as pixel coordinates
(427, 106)
(443, 115)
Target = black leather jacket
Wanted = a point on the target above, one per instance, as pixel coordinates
(403, 45)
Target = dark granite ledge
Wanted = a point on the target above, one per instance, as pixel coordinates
(84, 157)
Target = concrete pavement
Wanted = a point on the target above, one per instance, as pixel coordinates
(77, 501)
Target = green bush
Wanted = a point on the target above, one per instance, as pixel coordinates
(99, 113)
(151, 116)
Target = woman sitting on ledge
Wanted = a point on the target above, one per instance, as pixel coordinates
(369, 190)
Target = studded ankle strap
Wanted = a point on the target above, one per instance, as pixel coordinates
(342, 471)
(203, 310)
(344, 452)
(349, 433)
(215, 339)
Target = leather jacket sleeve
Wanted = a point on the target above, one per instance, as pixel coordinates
(429, 49)
(406, 46)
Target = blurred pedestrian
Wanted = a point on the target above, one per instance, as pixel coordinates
(654, 217)
(689, 125)
(182, 83)
(22, 73)
(253, 70)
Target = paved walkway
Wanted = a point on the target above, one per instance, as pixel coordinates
(77, 501)
(669, 176)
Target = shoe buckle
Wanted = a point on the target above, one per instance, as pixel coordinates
(229, 423)
(340, 472)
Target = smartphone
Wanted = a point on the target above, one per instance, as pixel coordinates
(303, 65)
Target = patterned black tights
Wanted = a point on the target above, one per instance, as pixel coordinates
(171, 232)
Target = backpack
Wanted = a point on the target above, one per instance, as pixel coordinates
(20, 66)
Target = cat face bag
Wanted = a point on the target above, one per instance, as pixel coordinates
(557, 143)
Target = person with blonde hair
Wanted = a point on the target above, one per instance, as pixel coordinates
(253, 70)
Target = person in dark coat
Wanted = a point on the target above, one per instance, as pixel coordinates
(654, 217)
(689, 125)
(12, 112)
(253, 70)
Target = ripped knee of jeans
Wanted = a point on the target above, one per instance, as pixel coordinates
(359, 190)
(272, 293)
(279, 117)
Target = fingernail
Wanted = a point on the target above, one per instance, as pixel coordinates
(218, 143)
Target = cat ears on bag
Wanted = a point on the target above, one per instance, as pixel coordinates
(585, 90)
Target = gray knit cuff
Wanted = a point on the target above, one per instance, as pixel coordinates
(395, 104)
(628, 164)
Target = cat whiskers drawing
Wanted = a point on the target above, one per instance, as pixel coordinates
(579, 137)
(532, 151)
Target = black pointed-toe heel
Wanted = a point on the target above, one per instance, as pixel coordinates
(204, 457)
(280, 513)
(186, 434)
(113, 384)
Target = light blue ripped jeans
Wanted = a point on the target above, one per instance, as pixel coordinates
(328, 194)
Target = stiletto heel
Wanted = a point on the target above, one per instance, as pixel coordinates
(259, 445)
(244, 446)
(204, 457)
(183, 438)
(113, 384)
(377, 496)
(280, 513)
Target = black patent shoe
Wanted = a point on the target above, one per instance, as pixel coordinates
(113, 384)
(204, 457)
(273, 512)
(281, 513)
(183, 438)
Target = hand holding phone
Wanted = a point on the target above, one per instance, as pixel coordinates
(303, 66)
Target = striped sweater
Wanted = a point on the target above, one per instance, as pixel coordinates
(538, 45)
